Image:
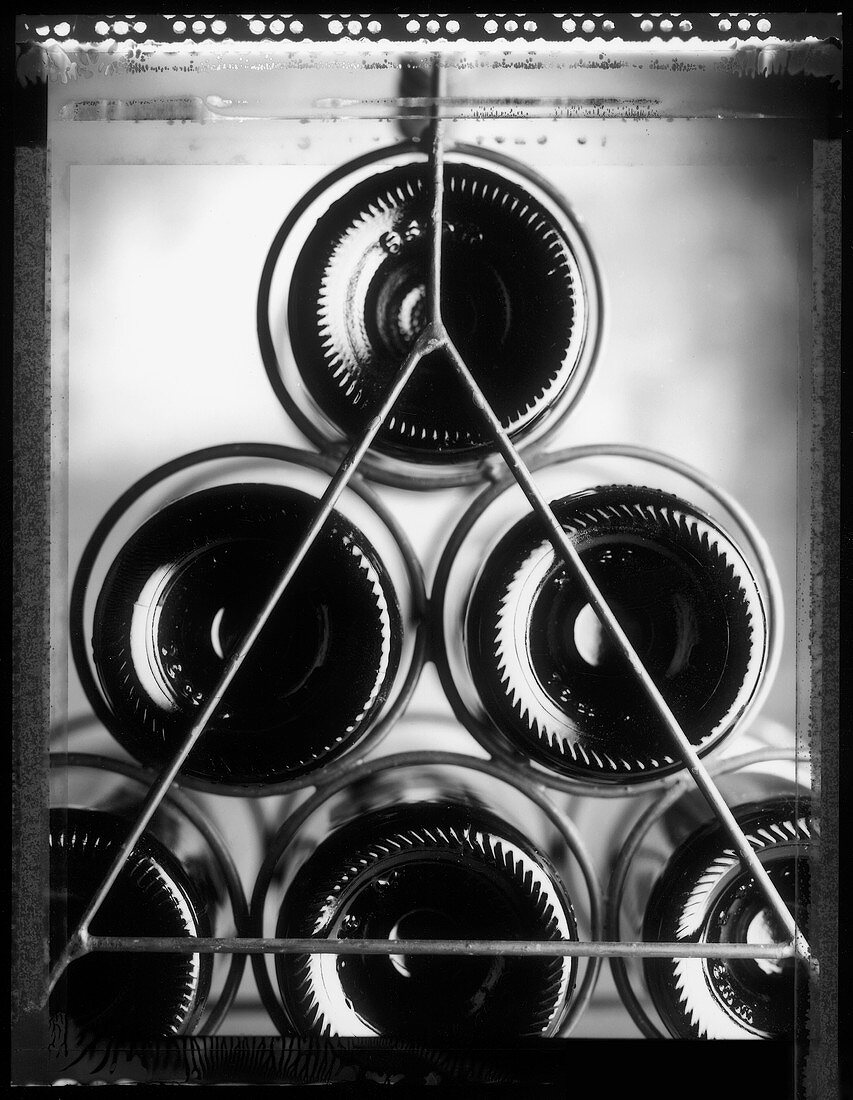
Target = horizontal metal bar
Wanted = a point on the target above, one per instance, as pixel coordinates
(186, 945)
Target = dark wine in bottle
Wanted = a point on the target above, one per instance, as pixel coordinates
(435, 869)
(107, 995)
(183, 592)
(704, 895)
(547, 672)
(512, 299)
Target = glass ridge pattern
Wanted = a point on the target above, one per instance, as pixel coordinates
(400, 862)
(432, 338)
(222, 548)
(666, 566)
(703, 896)
(358, 302)
(161, 995)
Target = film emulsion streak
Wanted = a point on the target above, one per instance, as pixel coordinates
(418, 313)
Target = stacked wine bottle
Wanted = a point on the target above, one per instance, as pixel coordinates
(179, 881)
(677, 878)
(409, 849)
(178, 572)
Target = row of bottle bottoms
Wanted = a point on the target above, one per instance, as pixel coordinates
(163, 598)
(437, 852)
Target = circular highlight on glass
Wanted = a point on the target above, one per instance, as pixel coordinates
(344, 296)
(527, 664)
(432, 846)
(179, 881)
(175, 577)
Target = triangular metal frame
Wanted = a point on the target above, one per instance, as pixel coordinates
(435, 337)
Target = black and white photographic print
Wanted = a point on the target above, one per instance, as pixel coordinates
(426, 656)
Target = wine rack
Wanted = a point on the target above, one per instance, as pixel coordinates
(342, 464)
(434, 338)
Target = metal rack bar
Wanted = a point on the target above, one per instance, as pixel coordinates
(185, 945)
(437, 167)
(435, 337)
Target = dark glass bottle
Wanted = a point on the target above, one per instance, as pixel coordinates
(546, 671)
(512, 299)
(166, 888)
(185, 589)
(433, 869)
(704, 895)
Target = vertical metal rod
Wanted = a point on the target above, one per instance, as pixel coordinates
(437, 167)
(569, 554)
(426, 342)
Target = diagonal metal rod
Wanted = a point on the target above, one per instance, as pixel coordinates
(566, 550)
(311, 945)
(427, 342)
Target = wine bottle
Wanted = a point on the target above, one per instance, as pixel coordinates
(183, 591)
(170, 885)
(705, 896)
(685, 882)
(550, 678)
(513, 299)
(415, 855)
